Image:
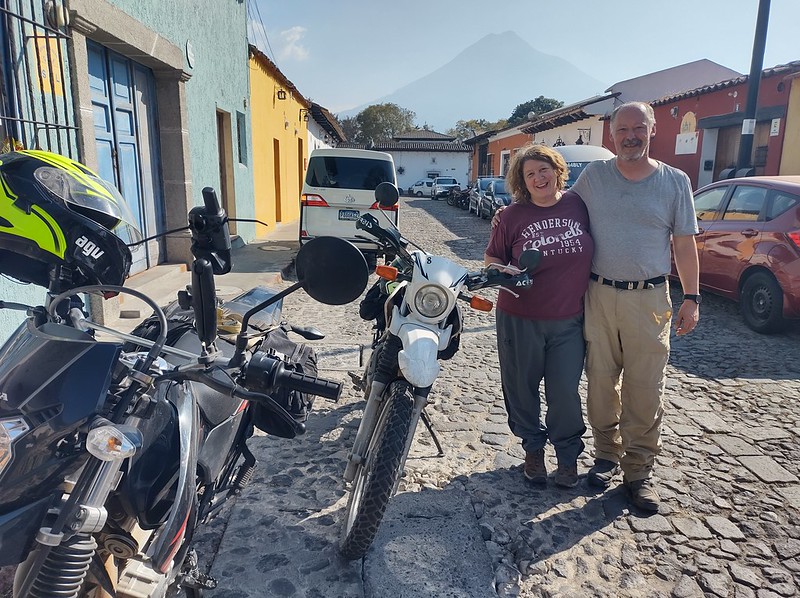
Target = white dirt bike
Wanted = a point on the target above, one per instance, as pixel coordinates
(418, 323)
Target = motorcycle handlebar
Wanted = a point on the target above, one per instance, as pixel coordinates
(492, 277)
(265, 373)
(226, 388)
(369, 224)
(310, 384)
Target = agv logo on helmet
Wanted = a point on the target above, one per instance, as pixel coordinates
(90, 249)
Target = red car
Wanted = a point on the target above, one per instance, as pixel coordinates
(749, 246)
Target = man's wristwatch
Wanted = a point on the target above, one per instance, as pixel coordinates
(695, 298)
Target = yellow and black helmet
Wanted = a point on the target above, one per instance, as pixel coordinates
(55, 212)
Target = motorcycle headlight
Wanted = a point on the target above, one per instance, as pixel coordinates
(10, 430)
(430, 301)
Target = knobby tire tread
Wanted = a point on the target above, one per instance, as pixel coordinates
(377, 490)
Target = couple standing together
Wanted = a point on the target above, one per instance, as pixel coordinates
(601, 293)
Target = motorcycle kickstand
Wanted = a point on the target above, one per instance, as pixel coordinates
(429, 425)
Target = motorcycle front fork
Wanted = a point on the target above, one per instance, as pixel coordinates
(369, 420)
(64, 550)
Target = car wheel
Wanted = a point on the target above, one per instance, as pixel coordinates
(761, 303)
(418, 194)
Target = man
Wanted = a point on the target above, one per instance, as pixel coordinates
(636, 205)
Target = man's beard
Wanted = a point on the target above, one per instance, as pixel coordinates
(640, 150)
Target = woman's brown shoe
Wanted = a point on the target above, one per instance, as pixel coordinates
(534, 467)
(567, 475)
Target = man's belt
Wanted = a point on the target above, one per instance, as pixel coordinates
(629, 285)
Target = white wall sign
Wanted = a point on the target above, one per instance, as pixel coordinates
(686, 143)
(775, 128)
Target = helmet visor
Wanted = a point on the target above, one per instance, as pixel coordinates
(94, 198)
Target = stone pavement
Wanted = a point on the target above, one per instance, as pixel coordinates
(728, 476)
(466, 525)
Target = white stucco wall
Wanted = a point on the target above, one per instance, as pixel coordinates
(318, 137)
(569, 133)
(418, 165)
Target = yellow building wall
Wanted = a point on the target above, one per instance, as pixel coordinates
(790, 156)
(280, 149)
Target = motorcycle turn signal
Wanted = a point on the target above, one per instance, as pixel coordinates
(480, 304)
(386, 272)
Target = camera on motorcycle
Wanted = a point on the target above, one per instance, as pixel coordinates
(529, 260)
(331, 270)
(211, 238)
(386, 194)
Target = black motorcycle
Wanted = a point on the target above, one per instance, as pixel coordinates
(112, 452)
(458, 198)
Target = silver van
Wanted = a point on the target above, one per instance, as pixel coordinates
(339, 187)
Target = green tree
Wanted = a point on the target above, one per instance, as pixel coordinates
(538, 106)
(465, 129)
(381, 122)
(350, 127)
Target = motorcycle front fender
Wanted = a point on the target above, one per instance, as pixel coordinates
(418, 359)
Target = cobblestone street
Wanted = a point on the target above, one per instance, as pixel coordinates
(728, 474)
(467, 525)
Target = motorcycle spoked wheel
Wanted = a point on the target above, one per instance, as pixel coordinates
(451, 200)
(377, 476)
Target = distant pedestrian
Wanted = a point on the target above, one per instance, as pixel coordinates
(540, 331)
(637, 205)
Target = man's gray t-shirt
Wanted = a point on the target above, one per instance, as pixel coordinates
(632, 221)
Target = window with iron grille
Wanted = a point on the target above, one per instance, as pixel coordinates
(36, 107)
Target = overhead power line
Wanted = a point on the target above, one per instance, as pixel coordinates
(254, 15)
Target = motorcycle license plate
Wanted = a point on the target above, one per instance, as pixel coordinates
(348, 214)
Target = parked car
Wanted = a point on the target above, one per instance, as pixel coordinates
(442, 185)
(749, 246)
(578, 156)
(421, 188)
(476, 192)
(495, 196)
(339, 187)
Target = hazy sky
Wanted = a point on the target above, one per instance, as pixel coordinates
(344, 53)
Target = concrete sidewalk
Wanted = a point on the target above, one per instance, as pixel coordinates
(257, 263)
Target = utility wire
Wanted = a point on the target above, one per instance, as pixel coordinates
(255, 16)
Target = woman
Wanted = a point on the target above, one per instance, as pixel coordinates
(540, 331)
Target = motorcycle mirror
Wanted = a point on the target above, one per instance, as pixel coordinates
(386, 194)
(331, 270)
(529, 259)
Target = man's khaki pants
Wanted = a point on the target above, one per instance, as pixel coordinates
(627, 333)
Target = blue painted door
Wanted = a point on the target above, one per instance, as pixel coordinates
(122, 103)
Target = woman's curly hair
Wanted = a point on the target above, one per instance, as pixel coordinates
(515, 181)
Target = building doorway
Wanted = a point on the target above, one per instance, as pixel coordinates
(126, 140)
(227, 189)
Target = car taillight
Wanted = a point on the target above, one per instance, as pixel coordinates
(309, 199)
(795, 237)
(377, 206)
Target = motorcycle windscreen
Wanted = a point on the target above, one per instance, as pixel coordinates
(56, 378)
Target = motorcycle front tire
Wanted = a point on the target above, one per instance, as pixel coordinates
(377, 476)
